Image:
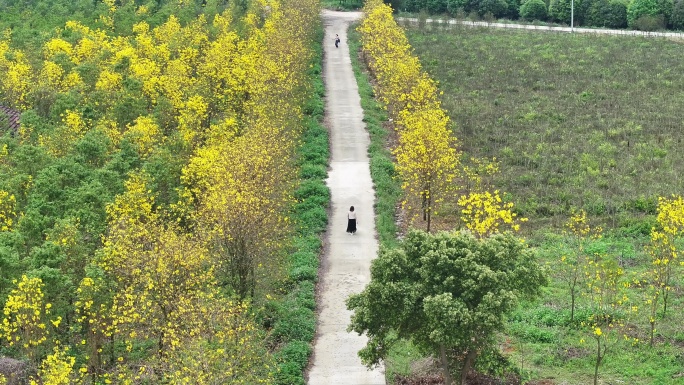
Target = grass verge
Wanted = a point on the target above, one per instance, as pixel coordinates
(294, 320)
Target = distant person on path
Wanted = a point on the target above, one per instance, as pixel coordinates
(337, 44)
(351, 221)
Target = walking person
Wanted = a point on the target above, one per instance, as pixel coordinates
(351, 221)
(337, 40)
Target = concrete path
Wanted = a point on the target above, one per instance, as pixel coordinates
(598, 31)
(346, 263)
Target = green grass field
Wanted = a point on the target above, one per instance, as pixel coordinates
(577, 121)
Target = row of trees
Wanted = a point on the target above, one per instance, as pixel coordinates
(447, 292)
(427, 158)
(146, 194)
(637, 14)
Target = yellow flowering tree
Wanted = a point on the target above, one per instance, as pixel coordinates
(571, 269)
(160, 273)
(241, 193)
(57, 369)
(664, 256)
(17, 76)
(7, 210)
(484, 213)
(609, 304)
(24, 325)
(426, 160)
(426, 155)
(230, 350)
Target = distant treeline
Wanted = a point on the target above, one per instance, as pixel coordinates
(637, 14)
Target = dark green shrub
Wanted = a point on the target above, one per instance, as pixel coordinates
(312, 189)
(559, 11)
(289, 373)
(307, 243)
(453, 6)
(533, 10)
(615, 15)
(62, 103)
(415, 5)
(436, 6)
(314, 220)
(606, 13)
(297, 353)
(315, 147)
(498, 8)
(513, 9)
(314, 107)
(634, 227)
(639, 8)
(312, 203)
(582, 10)
(643, 204)
(533, 334)
(295, 322)
(305, 294)
(666, 7)
(677, 18)
(313, 171)
(92, 148)
(304, 258)
(303, 273)
(649, 23)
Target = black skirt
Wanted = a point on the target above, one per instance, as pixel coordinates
(351, 226)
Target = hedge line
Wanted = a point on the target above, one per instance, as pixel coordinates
(294, 323)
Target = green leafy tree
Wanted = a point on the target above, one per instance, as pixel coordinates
(610, 14)
(533, 10)
(677, 18)
(560, 10)
(448, 293)
(640, 8)
(498, 8)
(453, 6)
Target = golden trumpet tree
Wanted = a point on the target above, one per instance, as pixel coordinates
(242, 195)
(664, 256)
(426, 160)
(7, 210)
(57, 369)
(16, 79)
(25, 317)
(426, 156)
(160, 273)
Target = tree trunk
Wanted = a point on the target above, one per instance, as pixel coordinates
(652, 330)
(572, 305)
(467, 364)
(445, 365)
(599, 357)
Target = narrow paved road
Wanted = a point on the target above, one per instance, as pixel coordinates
(346, 263)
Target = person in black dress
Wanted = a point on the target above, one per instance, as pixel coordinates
(351, 221)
